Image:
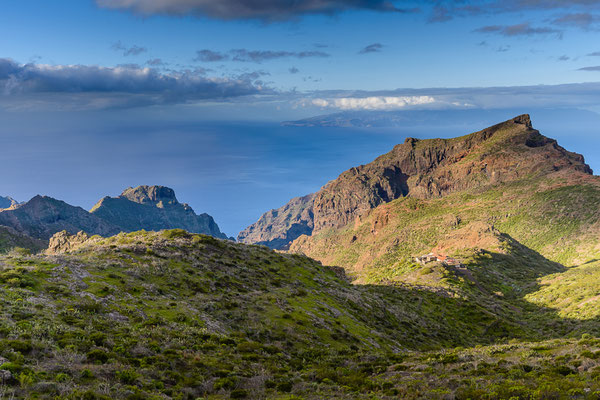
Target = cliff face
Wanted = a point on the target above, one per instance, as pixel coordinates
(431, 168)
(153, 208)
(277, 228)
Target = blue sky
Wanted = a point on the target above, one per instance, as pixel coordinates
(121, 85)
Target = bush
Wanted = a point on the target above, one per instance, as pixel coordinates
(176, 233)
(225, 383)
(97, 355)
(22, 346)
(239, 394)
(128, 376)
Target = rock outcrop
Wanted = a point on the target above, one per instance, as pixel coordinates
(426, 169)
(153, 208)
(63, 242)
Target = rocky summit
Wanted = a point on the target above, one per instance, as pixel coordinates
(153, 208)
(420, 169)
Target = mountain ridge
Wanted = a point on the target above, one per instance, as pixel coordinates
(144, 207)
(425, 169)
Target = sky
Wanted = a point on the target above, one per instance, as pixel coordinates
(99, 95)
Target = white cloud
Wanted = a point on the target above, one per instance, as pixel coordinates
(92, 86)
(380, 103)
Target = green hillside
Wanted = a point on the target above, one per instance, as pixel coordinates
(176, 315)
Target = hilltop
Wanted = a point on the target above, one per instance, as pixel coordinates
(43, 216)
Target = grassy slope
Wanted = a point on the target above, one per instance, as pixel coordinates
(184, 316)
(545, 276)
(174, 315)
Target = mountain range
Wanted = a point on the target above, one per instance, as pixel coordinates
(458, 268)
(143, 207)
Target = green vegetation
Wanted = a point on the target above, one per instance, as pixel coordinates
(177, 315)
(185, 316)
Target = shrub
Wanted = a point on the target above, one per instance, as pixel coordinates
(128, 376)
(97, 355)
(239, 394)
(225, 383)
(22, 346)
(176, 233)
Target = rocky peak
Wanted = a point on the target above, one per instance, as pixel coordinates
(430, 168)
(155, 195)
(523, 119)
(153, 208)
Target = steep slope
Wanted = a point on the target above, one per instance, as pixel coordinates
(153, 208)
(278, 228)
(433, 168)
(42, 216)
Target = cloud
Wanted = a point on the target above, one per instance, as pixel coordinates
(580, 95)
(372, 48)
(294, 70)
(257, 56)
(594, 69)
(121, 86)
(210, 56)
(524, 29)
(373, 102)
(584, 21)
(576, 13)
(594, 54)
(128, 51)
(267, 10)
(155, 62)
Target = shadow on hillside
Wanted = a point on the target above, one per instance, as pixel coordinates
(586, 263)
(489, 303)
